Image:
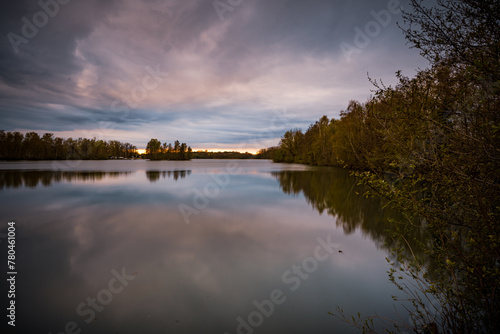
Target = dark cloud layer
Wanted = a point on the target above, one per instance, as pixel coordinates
(132, 70)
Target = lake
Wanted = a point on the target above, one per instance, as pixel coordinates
(201, 246)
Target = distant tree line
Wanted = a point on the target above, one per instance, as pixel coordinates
(222, 155)
(16, 146)
(155, 150)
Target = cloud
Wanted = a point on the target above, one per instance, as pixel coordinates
(153, 67)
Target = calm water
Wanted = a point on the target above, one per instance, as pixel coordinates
(191, 247)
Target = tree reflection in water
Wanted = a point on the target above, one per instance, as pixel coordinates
(334, 191)
(33, 179)
(154, 176)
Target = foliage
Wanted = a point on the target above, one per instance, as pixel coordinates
(267, 153)
(314, 147)
(155, 150)
(16, 146)
(429, 146)
(222, 155)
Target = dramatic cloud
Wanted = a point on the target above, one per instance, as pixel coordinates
(215, 74)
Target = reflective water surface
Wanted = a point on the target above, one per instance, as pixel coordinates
(192, 247)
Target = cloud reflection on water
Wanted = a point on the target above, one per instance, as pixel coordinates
(196, 278)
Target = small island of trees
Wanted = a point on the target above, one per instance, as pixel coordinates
(155, 150)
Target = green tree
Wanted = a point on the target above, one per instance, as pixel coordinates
(290, 145)
(32, 146)
(71, 149)
(11, 145)
(442, 134)
(59, 151)
(429, 146)
(182, 151)
(48, 146)
(153, 149)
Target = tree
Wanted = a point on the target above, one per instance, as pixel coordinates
(429, 147)
(177, 146)
(153, 149)
(458, 33)
(322, 146)
(182, 151)
(291, 145)
(48, 150)
(114, 148)
(11, 145)
(444, 124)
(59, 151)
(71, 148)
(32, 146)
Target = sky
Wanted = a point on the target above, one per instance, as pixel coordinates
(218, 75)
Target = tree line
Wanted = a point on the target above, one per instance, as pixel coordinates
(222, 155)
(155, 150)
(430, 147)
(32, 146)
(33, 179)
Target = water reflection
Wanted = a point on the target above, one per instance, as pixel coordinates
(154, 176)
(337, 193)
(32, 179)
(197, 277)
